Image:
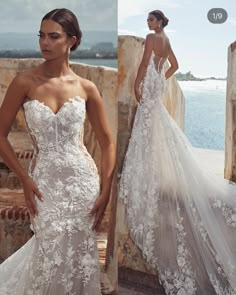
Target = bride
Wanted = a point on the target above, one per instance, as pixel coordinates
(182, 217)
(63, 192)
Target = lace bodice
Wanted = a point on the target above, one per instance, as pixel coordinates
(154, 72)
(61, 132)
(60, 157)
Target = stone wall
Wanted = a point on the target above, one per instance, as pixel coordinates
(230, 131)
(130, 52)
(14, 222)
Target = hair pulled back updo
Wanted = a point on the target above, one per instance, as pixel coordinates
(160, 15)
(68, 21)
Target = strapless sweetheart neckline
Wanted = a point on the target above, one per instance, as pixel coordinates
(68, 101)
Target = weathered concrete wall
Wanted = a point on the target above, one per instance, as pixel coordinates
(230, 131)
(130, 52)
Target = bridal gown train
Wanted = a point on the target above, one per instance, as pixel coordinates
(61, 258)
(182, 217)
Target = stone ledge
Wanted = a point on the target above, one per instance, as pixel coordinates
(12, 202)
(14, 213)
(14, 222)
(141, 281)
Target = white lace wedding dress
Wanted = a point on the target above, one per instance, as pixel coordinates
(182, 217)
(61, 258)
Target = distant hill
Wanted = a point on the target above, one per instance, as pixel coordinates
(190, 77)
(24, 41)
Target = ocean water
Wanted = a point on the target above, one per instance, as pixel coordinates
(205, 103)
(98, 62)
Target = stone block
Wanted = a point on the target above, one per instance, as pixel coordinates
(14, 222)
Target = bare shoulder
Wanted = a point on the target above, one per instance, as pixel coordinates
(90, 89)
(15, 96)
(150, 37)
(20, 84)
(25, 79)
(87, 84)
(149, 42)
(20, 80)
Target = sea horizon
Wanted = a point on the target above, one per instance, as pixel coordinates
(205, 105)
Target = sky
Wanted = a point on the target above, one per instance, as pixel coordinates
(200, 46)
(25, 15)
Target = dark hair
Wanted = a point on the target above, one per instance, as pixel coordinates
(160, 15)
(68, 21)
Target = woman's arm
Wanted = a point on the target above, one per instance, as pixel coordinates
(99, 124)
(8, 111)
(173, 65)
(143, 65)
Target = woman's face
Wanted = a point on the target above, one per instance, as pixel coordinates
(53, 41)
(152, 22)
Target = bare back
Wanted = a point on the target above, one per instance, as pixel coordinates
(161, 49)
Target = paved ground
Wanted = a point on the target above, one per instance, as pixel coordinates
(212, 159)
(125, 291)
(132, 291)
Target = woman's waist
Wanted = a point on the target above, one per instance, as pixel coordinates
(64, 149)
(76, 159)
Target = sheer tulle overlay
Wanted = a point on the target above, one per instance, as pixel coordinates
(61, 258)
(181, 216)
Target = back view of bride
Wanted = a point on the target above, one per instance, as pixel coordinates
(181, 217)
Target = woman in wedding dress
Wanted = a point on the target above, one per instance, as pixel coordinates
(182, 217)
(62, 190)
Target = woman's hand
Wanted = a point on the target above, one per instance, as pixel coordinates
(31, 189)
(137, 92)
(98, 210)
